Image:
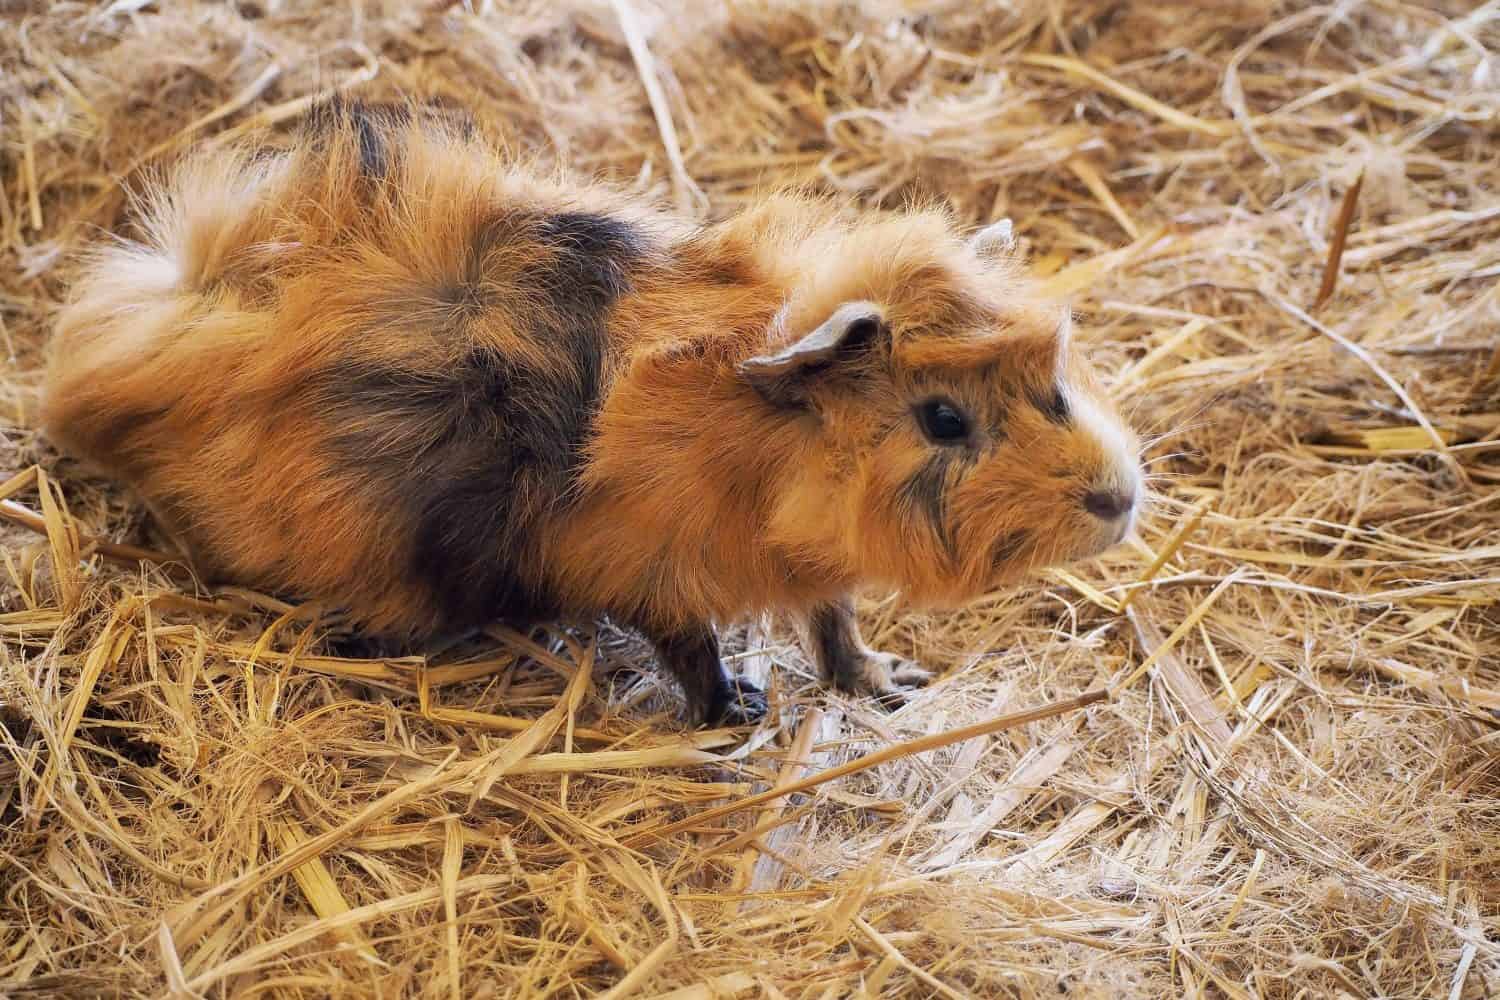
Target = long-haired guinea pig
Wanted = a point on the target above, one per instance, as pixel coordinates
(391, 371)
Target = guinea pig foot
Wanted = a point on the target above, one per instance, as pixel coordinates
(906, 674)
(715, 697)
(739, 703)
(847, 664)
(889, 678)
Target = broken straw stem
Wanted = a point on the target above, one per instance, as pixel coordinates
(1336, 244)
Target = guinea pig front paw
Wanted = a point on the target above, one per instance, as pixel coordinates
(906, 674)
(889, 678)
(739, 703)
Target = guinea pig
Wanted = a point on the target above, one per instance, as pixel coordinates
(394, 371)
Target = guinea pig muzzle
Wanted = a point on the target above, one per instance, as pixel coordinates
(1115, 503)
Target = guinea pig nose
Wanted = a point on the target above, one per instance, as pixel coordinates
(1108, 504)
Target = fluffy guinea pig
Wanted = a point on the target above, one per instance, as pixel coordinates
(392, 371)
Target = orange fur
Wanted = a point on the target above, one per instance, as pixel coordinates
(199, 365)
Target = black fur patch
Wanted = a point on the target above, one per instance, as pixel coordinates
(591, 269)
(927, 491)
(370, 124)
(374, 123)
(475, 453)
(593, 253)
(374, 159)
(1054, 405)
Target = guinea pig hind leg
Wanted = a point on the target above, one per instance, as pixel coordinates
(849, 665)
(714, 695)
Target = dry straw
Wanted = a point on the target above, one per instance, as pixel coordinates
(1279, 225)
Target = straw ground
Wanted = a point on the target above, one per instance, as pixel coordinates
(1280, 226)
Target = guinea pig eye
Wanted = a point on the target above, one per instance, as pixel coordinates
(943, 422)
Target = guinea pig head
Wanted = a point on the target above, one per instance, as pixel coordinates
(955, 438)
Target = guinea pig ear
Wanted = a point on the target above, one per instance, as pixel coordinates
(783, 377)
(995, 239)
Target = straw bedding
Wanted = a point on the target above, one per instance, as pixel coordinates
(1295, 788)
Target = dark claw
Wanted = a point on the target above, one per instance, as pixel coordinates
(740, 703)
(911, 676)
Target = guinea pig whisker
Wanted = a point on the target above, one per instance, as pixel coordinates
(1178, 422)
(1158, 459)
(1176, 431)
(1182, 423)
(1152, 490)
